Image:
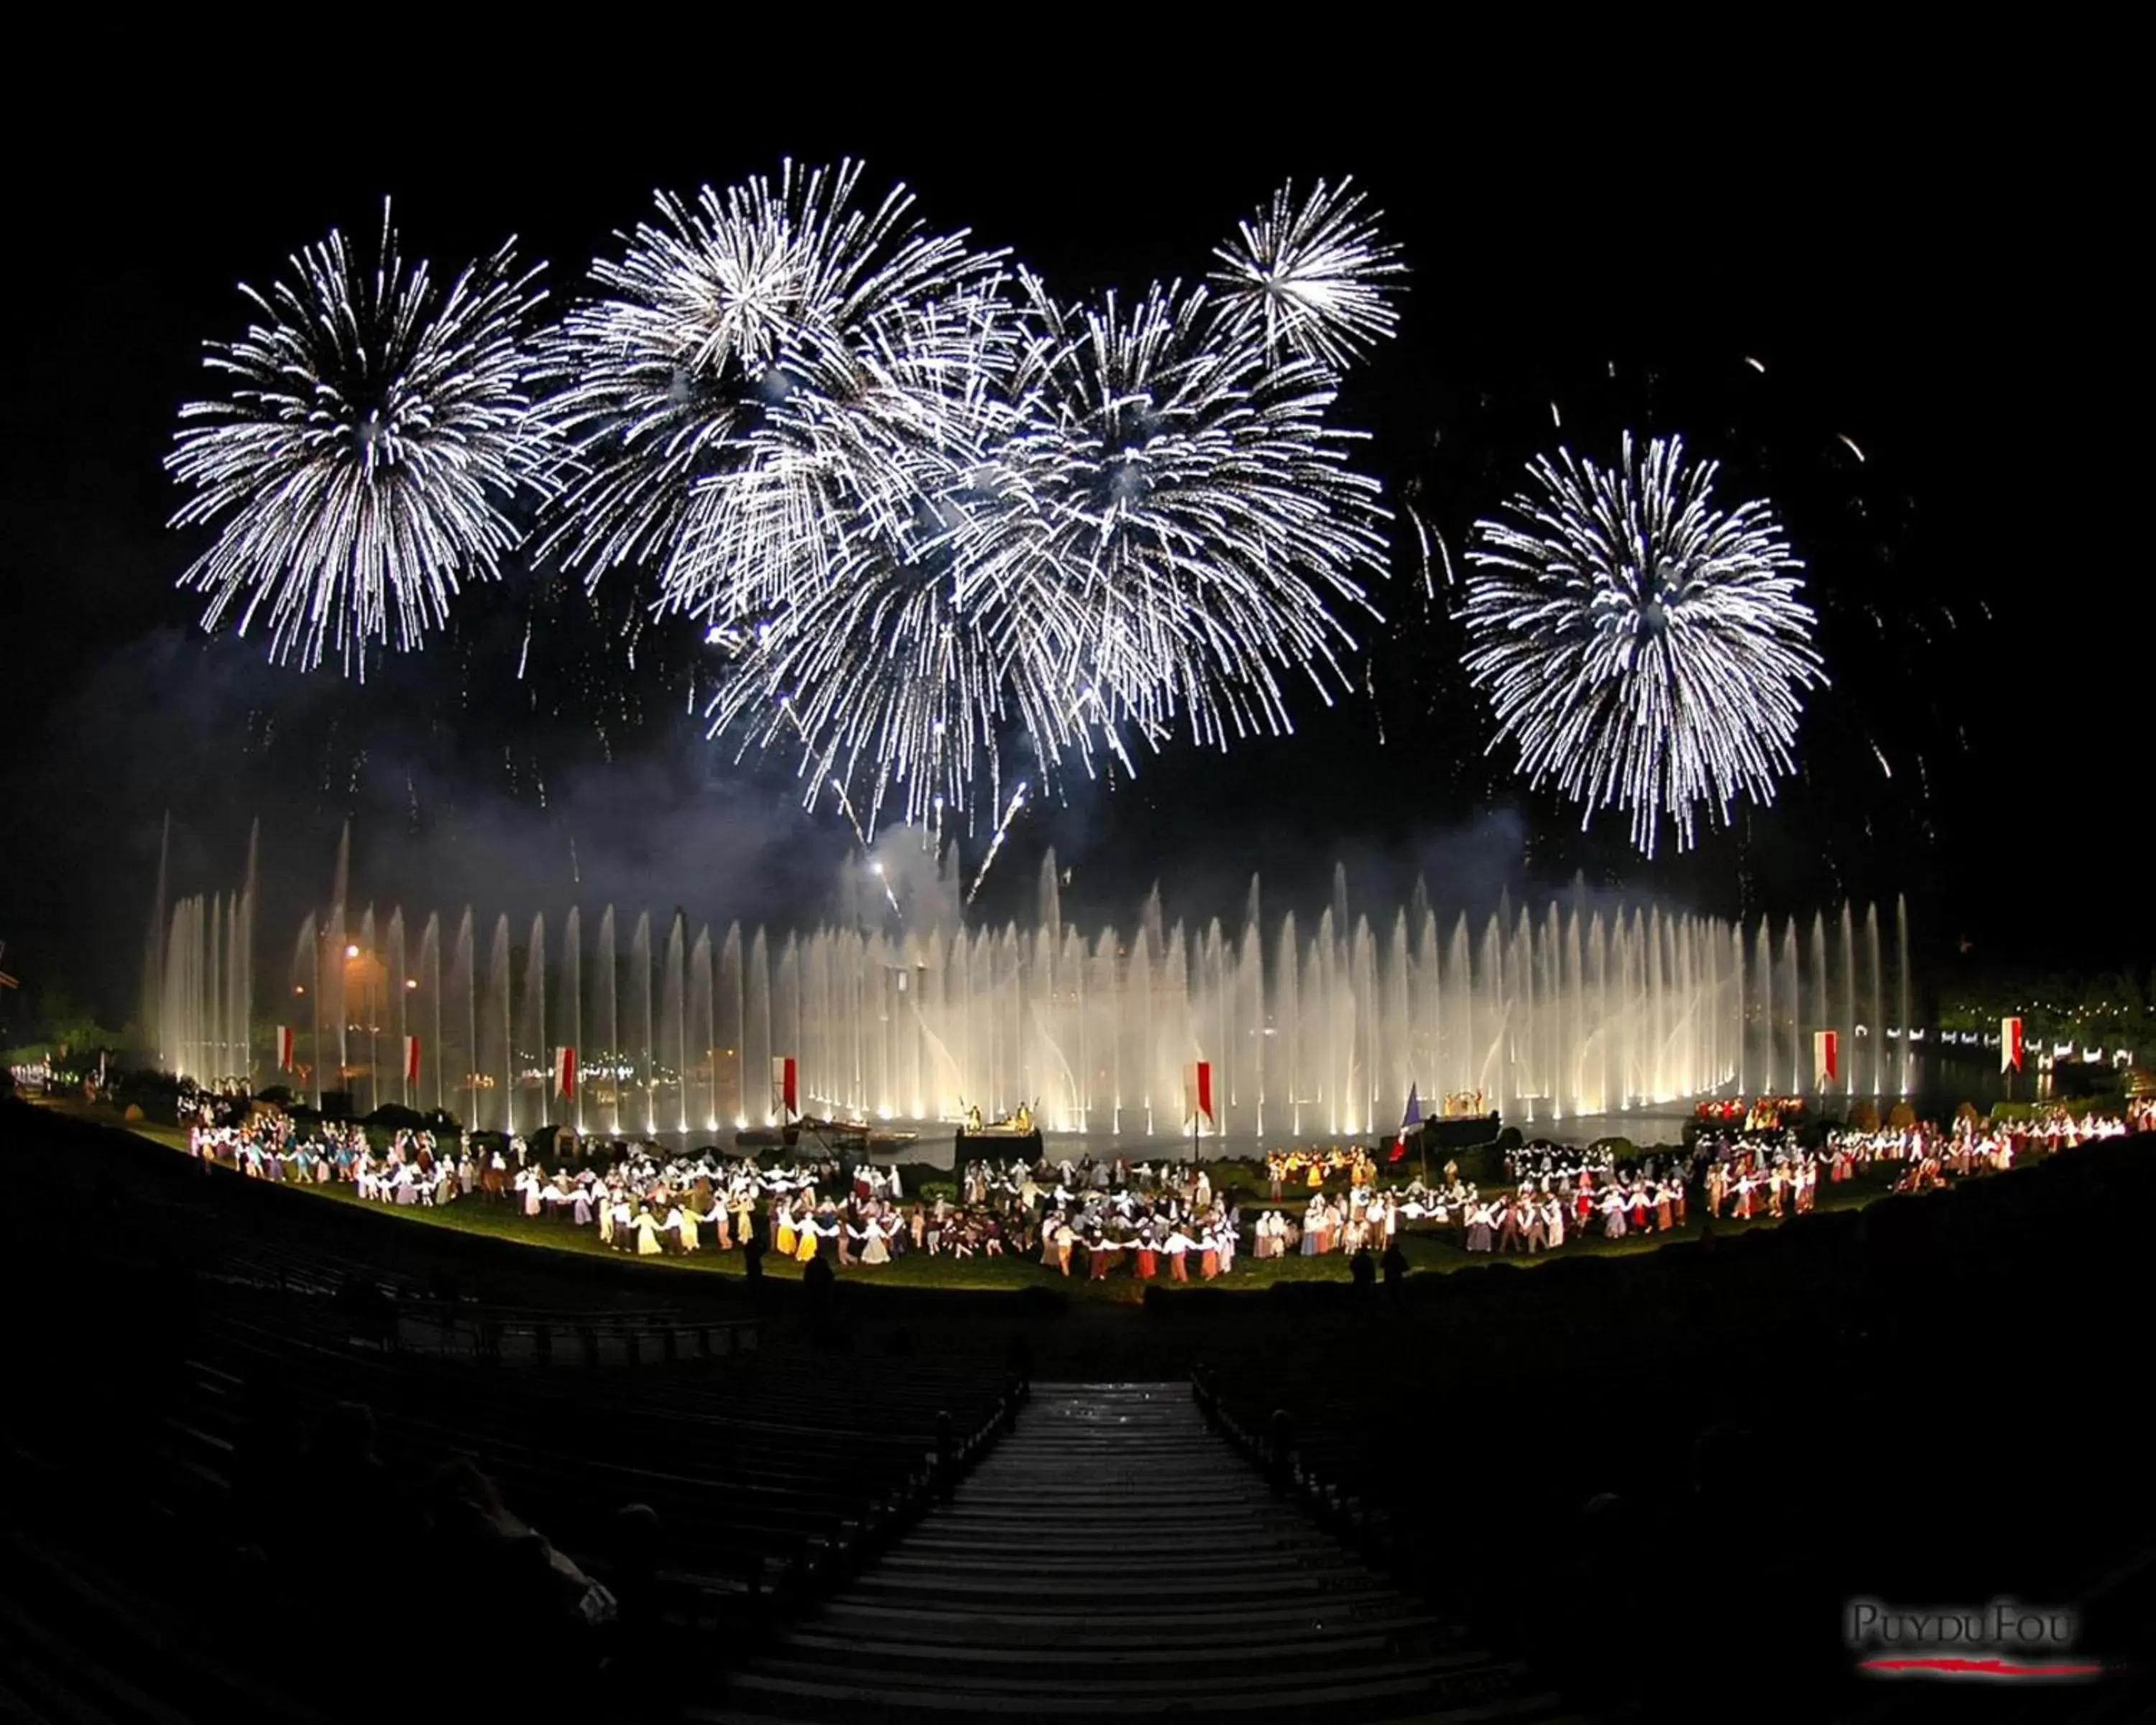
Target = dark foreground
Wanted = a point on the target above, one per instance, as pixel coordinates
(1646, 1487)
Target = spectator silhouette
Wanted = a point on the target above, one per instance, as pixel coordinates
(1590, 1613)
(818, 1282)
(637, 1537)
(355, 1536)
(263, 1474)
(1280, 1454)
(167, 1331)
(517, 1581)
(1363, 1271)
(372, 1314)
(637, 1640)
(1396, 1264)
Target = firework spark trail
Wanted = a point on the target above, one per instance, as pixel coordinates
(846, 807)
(891, 897)
(1643, 648)
(368, 457)
(996, 843)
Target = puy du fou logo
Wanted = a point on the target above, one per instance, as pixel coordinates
(2004, 1639)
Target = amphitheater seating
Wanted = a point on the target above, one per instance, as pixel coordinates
(79, 1642)
(1750, 1434)
(165, 1445)
(765, 1468)
(771, 1479)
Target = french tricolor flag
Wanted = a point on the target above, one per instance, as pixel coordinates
(1410, 1121)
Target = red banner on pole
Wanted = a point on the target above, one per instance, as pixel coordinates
(1198, 1089)
(785, 1085)
(565, 1072)
(284, 1048)
(411, 1059)
(2009, 1045)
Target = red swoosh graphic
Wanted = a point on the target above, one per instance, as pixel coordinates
(1981, 1667)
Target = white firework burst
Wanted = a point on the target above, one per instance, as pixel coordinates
(744, 389)
(903, 679)
(1191, 512)
(1643, 648)
(1316, 277)
(371, 452)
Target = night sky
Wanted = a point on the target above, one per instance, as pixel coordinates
(1928, 265)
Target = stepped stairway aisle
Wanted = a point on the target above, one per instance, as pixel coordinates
(1112, 1556)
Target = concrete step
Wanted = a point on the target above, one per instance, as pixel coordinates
(1493, 1696)
(1256, 1544)
(1160, 1587)
(1186, 1655)
(1054, 1623)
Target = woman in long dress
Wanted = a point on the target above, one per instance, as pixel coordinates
(874, 1251)
(781, 1228)
(648, 1243)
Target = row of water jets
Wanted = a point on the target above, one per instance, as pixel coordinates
(1566, 1011)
